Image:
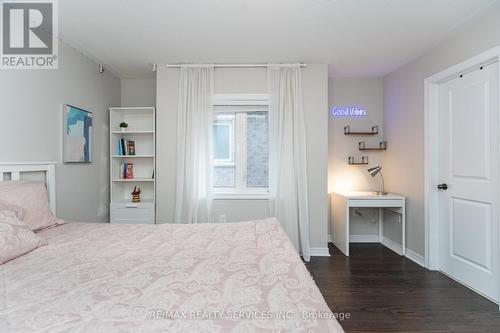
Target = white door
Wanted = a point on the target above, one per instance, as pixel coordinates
(468, 156)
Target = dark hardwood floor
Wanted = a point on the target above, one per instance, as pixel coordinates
(384, 292)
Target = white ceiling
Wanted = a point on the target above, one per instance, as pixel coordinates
(355, 37)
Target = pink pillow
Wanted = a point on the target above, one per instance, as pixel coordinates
(32, 197)
(16, 238)
(20, 212)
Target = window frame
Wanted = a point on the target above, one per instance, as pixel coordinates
(240, 104)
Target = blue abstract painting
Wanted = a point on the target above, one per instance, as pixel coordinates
(78, 135)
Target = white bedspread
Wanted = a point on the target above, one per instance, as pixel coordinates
(234, 277)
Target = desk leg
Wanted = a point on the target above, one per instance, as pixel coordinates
(347, 229)
(403, 229)
(340, 223)
(380, 225)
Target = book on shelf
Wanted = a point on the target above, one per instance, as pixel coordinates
(125, 147)
(131, 147)
(122, 170)
(119, 150)
(127, 170)
(122, 145)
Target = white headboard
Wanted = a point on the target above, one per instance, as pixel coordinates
(16, 169)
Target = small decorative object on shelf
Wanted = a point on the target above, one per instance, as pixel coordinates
(382, 146)
(136, 194)
(347, 131)
(352, 161)
(123, 126)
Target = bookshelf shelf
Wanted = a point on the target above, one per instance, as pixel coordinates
(134, 180)
(133, 156)
(127, 202)
(133, 108)
(133, 132)
(132, 152)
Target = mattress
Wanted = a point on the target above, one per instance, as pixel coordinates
(232, 277)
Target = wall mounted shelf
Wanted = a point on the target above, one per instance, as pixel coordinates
(382, 146)
(347, 131)
(352, 161)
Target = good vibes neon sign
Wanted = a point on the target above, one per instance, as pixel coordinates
(348, 111)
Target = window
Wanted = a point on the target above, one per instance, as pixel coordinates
(224, 149)
(241, 147)
(224, 137)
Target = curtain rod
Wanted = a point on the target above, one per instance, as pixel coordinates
(237, 65)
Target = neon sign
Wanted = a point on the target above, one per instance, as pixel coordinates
(348, 111)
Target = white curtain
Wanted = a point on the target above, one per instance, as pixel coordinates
(194, 198)
(287, 155)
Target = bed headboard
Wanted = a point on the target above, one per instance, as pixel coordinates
(15, 170)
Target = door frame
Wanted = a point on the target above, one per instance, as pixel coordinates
(431, 158)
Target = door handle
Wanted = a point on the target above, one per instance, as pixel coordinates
(443, 186)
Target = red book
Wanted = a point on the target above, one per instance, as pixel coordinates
(129, 171)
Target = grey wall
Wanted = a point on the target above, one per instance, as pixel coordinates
(138, 92)
(404, 114)
(31, 128)
(245, 81)
(366, 92)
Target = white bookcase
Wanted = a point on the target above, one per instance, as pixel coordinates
(142, 130)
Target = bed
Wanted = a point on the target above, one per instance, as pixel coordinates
(91, 277)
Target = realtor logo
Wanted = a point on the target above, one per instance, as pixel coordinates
(29, 34)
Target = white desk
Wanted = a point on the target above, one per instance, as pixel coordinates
(343, 201)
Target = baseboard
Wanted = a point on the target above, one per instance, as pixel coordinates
(391, 245)
(358, 238)
(363, 239)
(415, 257)
(320, 252)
